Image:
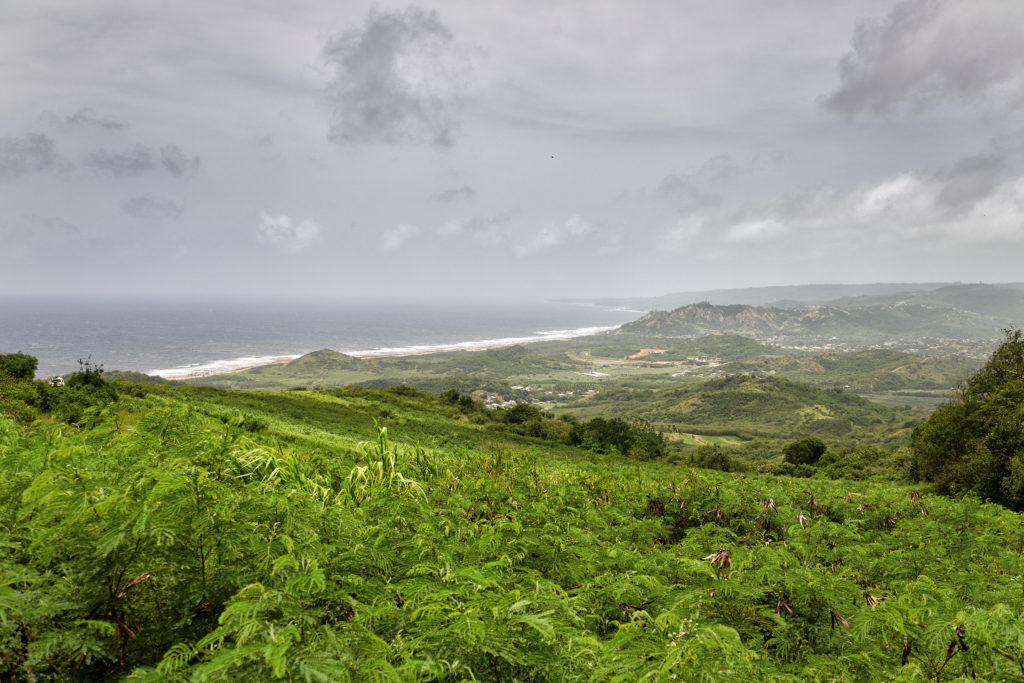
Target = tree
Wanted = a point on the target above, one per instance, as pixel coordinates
(805, 451)
(975, 443)
(18, 365)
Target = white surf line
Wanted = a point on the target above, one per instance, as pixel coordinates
(218, 367)
(544, 335)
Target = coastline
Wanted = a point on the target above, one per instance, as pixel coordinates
(226, 367)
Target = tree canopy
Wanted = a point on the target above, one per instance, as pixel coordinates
(18, 365)
(975, 443)
(805, 451)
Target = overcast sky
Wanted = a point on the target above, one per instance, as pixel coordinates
(517, 149)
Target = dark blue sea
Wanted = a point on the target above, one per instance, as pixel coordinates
(189, 338)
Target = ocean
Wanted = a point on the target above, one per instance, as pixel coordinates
(176, 339)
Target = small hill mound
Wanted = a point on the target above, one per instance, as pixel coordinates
(324, 360)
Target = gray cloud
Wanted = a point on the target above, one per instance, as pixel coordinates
(928, 52)
(177, 163)
(32, 153)
(395, 80)
(709, 185)
(152, 208)
(141, 159)
(136, 161)
(454, 194)
(976, 176)
(700, 188)
(87, 118)
(970, 179)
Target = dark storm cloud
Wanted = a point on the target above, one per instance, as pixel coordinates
(152, 208)
(31, 153)
(87, 118)
(927, 52)
(141, 159)
(454, 194)
(395, 78)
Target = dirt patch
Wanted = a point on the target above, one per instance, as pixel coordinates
(643, 353)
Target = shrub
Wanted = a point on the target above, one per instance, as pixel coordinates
(714, 457)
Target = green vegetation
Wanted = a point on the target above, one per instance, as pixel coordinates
(646, 526)
(975, 444)
(750, 407)
(871, 370)
(806, 451)
(18, 365)
(25, 399)
(188, 533)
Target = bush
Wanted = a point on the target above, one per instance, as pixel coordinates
(714, 457)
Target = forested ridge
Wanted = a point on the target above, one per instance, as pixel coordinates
(175, 533)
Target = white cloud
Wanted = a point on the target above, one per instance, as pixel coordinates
(282, 232)
(902, 210)
(757, 230)
(549, 237)
(488, 231)
(394, 238)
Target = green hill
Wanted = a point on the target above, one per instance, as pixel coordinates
(867, 370)
(726, 347)
(978, 312)
(748, 406)
(190, 533)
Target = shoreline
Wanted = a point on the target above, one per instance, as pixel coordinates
(228, 367)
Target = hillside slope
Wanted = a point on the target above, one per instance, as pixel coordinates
(868, 370)
(749, 406)
(196, 534)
